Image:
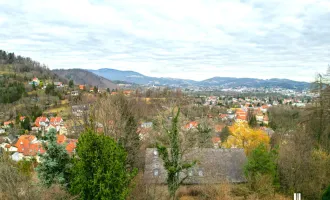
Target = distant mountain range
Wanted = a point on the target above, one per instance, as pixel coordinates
(225, 82)
(80, 76)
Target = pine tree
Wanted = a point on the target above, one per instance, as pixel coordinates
(55, 163)
(71, 84)
(99, 171)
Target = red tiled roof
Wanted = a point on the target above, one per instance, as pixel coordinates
(192, 124)
(264, 106)
(61, 139)
(7, 146)
(40, 119)
(71, 145)
(216, 140)
(33, 149)
(24, 145)
(24, 142)
(55, 120)
(81, 87)
(223, 116)
(7, 122)
(22, 118)
(241, 117)
(218, 127)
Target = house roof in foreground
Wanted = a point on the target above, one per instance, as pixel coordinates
(213, 166)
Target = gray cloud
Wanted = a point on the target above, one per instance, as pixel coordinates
(187, 39)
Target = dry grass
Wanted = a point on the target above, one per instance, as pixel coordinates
(223, 192)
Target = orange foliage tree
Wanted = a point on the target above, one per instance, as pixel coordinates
(242, 136)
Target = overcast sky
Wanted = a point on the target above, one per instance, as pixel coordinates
(173, 38)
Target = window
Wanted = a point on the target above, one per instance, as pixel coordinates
(200, 172)
(156, 172)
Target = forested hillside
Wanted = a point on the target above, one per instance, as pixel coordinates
(80, 76)
(16, 71)
(19, 93)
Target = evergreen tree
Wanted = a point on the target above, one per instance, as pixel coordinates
(108, 90)
(326, 195)
(55, 163)
(25, 124)
(96, 90)
(260, 162)
(99, 171)
(253, 122)
(71, 84)
(34, 86)
(224, 134)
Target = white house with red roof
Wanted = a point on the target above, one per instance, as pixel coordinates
(22, 118)
(191, 125)
(7, 124)
(35, 81)
(41, 122)
(56, 121)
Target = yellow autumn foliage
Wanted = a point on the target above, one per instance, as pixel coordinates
(242, 136)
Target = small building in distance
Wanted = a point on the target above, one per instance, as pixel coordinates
(75, 93)
(213, 166)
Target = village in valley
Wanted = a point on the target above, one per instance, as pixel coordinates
(215, 139)
(230, 110)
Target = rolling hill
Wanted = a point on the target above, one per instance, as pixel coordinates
(225, 82)
(135, 77)
(84, 77)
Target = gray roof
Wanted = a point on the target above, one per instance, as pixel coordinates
(213, 166)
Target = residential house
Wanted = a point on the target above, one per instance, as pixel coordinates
(63, 130)
(191, 125)
(8, 147)
(2, 131)
(75, 93)
(71, 145)
(213, 166)
(146, 125)
(56, 122)
(259, 116)
(78, 110)
(35, 81)
(223, 117)
(264, 108)
(266, 120)
(41, 121)
(127, 92)
(81, 87)
(7, 124)
(241, 115)
(29, 146)
(216, 142)
(58, 84)
(22, 118)
(218, 128)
